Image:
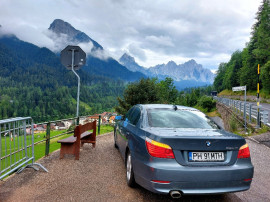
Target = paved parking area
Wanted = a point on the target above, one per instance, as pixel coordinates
(99, 175)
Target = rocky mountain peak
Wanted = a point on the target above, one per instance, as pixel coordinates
(191, 62)
(127, 58)
(171, 63)
(59, 26)
(129, 62)
(74, 36)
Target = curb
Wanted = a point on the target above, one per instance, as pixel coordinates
(256, 141)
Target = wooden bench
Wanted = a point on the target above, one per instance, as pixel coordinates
(89, 137)
(71, 145)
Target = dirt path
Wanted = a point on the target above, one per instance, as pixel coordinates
(99, 175)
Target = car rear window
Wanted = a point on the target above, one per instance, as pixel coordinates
(169, 118)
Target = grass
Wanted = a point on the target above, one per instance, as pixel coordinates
(213, 114)
(106, 129)
(263, 93)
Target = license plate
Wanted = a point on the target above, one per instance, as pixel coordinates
(206, 156)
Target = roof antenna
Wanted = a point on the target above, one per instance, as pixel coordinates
(175, 107)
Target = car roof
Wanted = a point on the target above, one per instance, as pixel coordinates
(166, 106)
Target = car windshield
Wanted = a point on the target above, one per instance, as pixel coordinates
(169, 118)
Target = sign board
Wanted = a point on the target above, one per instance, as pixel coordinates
(239, 88)
(79, 57)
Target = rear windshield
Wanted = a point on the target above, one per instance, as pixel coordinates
(169, 118)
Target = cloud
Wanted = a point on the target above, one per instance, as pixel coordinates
(160, 41)
(151, 30)
(135, 50)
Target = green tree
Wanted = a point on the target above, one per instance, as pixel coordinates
(167, 91)
(147, 91)
(218, 82)
(144, 91)
(266, 77)
(231, 77)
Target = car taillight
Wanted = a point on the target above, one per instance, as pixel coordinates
(159, 150)
(243, 152)
(161, 182)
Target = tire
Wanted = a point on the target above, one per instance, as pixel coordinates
(129, 172)
(115, 144)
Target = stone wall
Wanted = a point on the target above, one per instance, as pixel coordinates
(225, 113)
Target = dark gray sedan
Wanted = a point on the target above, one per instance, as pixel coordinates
(179, 150)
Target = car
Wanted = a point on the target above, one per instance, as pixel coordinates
(178, 150)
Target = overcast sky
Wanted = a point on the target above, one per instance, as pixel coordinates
(152, 31)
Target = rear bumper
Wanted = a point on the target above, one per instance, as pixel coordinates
(193, 180)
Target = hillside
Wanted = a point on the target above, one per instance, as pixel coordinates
(34, 83)
(242, 68)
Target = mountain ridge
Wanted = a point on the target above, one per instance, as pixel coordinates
(189, 70)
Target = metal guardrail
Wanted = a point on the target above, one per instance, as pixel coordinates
(17, 146)
(251, 109)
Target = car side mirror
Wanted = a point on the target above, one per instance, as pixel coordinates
(118, 118)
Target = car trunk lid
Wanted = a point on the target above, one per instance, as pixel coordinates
(200, 142)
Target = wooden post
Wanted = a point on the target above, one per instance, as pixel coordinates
(48, 136)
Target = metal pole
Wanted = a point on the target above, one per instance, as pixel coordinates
(99, 119)
(250, 111)
(245, 109)
(78, 92)
(25, 136)
(258, 99)
(33, 139)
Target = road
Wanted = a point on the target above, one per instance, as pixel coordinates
(99, 175)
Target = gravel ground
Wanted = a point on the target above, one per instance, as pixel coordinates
(99, 175)
(260, 187)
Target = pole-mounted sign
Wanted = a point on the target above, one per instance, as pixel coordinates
(243, 88)
(239, 88)
(73, 57)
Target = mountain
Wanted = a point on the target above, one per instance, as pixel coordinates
(60, 27)
(34, 83)
(129, 63)
(104, 66)
(185, 75)
(188, 71)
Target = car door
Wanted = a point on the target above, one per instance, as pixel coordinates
(122, 132)
(129, 129)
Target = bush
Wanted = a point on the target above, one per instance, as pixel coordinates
(233, 124)
(207, 103)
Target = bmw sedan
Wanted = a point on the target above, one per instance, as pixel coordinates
(176, 150)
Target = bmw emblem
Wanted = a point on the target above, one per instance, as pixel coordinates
(208, 143)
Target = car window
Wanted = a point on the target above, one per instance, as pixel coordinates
(135, 116)
(169, 118)
(129, 115)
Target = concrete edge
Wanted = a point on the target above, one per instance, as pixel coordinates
(253, 140)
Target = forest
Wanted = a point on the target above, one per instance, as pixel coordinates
(34, 83)
(242, 68)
